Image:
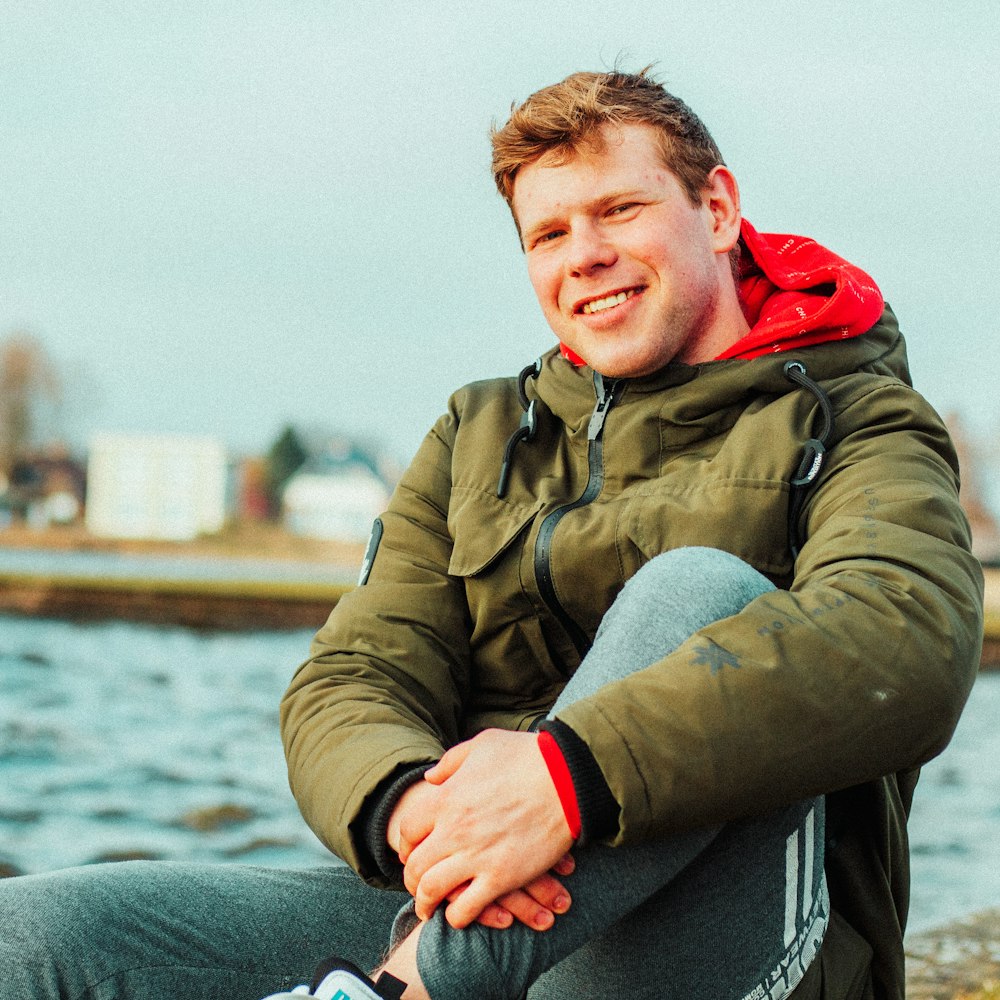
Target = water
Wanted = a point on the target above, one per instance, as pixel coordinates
(128, 740)
(117, 738)
(955, 823)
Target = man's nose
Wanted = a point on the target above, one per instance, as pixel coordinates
(590, 249)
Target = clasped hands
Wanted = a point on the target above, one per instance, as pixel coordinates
(484, 832)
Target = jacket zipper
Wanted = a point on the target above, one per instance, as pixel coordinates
(606, 397)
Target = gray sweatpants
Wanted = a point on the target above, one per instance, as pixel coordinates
(731, 912)
(726, 913)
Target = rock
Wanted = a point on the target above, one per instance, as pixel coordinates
(214, 817)
(960, 961)
(260, 844)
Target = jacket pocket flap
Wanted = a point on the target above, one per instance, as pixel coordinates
(482, 528)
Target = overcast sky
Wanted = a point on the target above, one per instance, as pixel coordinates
(222, 217)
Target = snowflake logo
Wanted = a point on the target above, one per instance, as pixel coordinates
(715, 658)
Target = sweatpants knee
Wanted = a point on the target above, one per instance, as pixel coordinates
(719, 579)
(669, 599)
(680, 591)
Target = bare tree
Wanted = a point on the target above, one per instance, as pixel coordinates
(30, 395)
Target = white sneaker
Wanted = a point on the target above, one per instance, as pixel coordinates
(337, 979)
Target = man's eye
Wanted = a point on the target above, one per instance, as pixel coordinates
(548, 237)
(623, 209)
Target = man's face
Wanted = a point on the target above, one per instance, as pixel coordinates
(629, 273)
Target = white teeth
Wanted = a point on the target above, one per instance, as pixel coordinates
(606, 303)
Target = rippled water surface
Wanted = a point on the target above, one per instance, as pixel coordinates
(125, 740)
(163, 742)
(955, 824)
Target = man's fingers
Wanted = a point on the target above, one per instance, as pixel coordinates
(438, 883)
(407, 845)
(425, 857)
(536, 905)
(495, 917)
(448, 764)
(475, 898)
(566, 865)
(528, 910)
(411, 875)
(414, 828)
(546, 892)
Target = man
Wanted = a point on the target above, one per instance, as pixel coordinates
(648, 647)
(482, 600)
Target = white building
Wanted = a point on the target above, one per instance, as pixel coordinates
(155, 486)
(337, 502)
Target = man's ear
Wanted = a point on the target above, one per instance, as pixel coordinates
(722, 199)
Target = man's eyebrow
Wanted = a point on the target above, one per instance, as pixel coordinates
(596, 204)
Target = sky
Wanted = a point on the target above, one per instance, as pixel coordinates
(221, 218)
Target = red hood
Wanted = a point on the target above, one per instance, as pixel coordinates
(796, 293)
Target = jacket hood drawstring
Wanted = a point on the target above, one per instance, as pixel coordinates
(813, 454)
(526, 429)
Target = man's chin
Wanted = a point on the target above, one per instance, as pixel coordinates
(618, 367)
(617, 358)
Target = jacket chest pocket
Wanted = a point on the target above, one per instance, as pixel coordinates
(482, 528)
(510, 659)
(487, 539)
(748, 518)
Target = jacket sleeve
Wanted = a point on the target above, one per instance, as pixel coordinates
(860, 669)
(387, 675)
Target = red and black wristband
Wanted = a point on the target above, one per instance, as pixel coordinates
(563, 781)
(595, 808)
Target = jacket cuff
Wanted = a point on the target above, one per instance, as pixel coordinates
(563, 781)
(375, 818)
(598, 808)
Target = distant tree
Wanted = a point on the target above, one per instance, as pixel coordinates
(284, 459)
(30, 395)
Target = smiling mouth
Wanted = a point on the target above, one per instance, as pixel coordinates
(607, 302)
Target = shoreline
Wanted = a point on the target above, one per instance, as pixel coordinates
(251, 577)
(258, 541)
(232, 605)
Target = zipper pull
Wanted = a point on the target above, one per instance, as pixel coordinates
(605, 397)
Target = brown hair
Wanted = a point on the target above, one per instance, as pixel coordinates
(568, 115)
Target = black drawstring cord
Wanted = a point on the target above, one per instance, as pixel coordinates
(526, 429)
(813, 454)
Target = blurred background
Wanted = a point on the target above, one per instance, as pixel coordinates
(246, 252)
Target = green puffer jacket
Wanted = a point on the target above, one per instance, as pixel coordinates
(856, 669)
